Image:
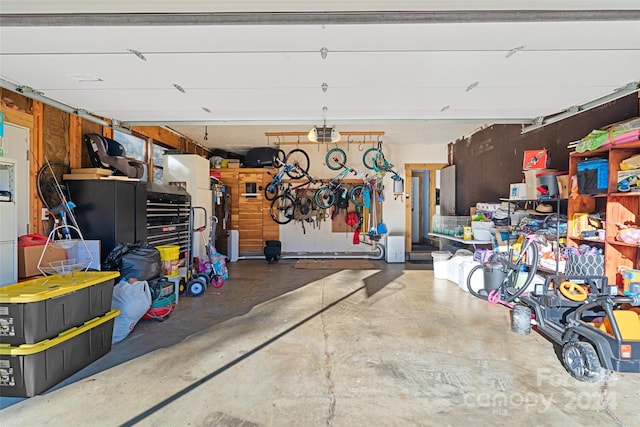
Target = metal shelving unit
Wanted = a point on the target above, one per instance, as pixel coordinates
(555, 200)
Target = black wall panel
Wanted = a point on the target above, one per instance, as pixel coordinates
(491, 159)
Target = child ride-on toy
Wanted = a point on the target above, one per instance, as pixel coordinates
(593, 329)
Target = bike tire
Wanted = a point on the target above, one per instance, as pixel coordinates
(336, 157)
(369, 158)
(300, 159)
(356, 195)
(279, 158)
(282, 208)
(271, 191)
(325, 198)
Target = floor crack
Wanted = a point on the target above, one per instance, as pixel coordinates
(328, 367)
(604, 401)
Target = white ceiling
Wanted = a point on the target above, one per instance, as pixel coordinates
(391, 66)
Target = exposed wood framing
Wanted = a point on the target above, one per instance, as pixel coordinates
(35, 161)
(75, 142)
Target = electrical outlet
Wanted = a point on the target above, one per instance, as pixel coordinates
(45, 214)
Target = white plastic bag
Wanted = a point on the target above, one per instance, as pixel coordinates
(133, 300)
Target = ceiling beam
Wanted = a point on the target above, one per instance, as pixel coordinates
(310, 18)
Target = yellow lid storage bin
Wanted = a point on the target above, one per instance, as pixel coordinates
(170, 256)
(39, 309)
(30, 369)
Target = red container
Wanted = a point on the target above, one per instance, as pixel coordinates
(535, 159)
(159, 313)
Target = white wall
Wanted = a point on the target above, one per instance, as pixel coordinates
(323, 240)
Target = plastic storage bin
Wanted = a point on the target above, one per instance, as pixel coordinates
(440, 259)
(30, 369)
(39, 309)
(449, 224)
(482, 230)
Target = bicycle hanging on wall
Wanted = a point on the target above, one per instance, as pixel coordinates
(328, 195)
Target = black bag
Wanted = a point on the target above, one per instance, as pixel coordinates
(135, 260)
(272, 250)
(588, 182)
(259, 157)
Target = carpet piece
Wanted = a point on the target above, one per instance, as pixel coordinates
(335, 264)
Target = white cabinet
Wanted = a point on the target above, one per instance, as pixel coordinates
(192, 172)
(8, 223)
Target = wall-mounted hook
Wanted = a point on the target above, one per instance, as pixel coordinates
(361, 144)
(298, 144)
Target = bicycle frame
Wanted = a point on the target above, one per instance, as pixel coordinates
(272, 189)
(326, 196)
(283, 206)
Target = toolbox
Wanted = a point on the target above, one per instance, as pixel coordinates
(39, 309)
(29, 369)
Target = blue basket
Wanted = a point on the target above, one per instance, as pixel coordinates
(602, 166)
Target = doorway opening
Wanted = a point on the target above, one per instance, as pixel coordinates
(420, 206)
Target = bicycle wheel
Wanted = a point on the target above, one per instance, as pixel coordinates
(282, 209)
(335, 159)
(369, 158)
(356, 195)
(300, 160)
(514, 284)
(325, 198)
(271, 191)
(279, 158)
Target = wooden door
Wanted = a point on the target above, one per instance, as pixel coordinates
(250, 212)
(250, 215)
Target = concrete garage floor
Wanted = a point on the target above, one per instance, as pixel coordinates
(279, 346)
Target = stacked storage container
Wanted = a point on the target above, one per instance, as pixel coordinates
(51, 328)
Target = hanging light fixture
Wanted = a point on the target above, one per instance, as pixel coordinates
(324, 133)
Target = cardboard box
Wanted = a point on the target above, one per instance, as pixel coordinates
(579, 223)
(518, 191)
(535, 159)
(29, 256)
(233, 163)
(563, 186)
(531, 184)
(629, 180)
